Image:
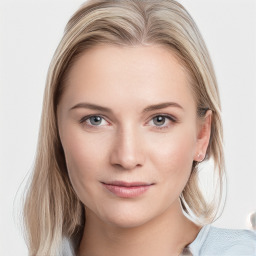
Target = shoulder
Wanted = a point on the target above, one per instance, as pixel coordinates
(220, 241)
(230, 242)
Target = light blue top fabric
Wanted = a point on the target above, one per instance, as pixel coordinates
(213, 241)
(210, 241)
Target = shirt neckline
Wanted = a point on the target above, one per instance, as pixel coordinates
(197, 244)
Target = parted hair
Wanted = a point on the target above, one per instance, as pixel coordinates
(51, 208)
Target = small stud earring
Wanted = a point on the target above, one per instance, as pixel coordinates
(200, 159)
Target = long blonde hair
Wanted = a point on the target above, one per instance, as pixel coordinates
(52, 209)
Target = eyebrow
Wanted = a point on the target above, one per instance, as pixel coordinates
(108, 110)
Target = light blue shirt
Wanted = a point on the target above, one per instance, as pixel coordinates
(213, 241)
(210, 241)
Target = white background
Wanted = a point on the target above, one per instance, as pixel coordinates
(29, 34)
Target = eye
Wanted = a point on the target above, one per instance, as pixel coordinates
(159, 120)
(163, 121)
(93, 121)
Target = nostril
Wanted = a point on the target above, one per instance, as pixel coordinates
(128, 165)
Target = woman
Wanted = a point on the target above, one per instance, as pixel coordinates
(131, 108)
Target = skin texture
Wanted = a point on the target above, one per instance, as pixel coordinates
(132, 146)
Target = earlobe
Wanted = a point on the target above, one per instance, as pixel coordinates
(200, 157)
(203, 137)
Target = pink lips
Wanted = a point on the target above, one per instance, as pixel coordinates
(127, 189)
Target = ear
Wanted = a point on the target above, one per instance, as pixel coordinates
(203, 136)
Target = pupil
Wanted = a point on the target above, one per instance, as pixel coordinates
(95, 120)
(159, 120)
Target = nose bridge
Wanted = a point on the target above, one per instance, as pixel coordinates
(127, 150)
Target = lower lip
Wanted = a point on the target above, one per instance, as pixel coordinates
(127, 192)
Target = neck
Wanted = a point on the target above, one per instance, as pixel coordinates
(167, 235)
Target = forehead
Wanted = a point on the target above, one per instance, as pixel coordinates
(142, 73)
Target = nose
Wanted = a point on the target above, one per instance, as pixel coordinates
(127, 152)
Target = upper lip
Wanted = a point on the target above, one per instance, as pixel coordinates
(127, 184)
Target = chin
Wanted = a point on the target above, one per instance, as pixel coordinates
(125, 221)
(126, 217)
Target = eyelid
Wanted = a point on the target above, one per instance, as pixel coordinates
(165, 115)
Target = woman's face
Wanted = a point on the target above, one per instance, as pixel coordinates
(128, 126)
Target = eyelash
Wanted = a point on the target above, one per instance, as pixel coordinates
(171, 118)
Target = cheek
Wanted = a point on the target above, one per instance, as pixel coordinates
(174, 162)
(82, 151)
(174, 155)
(83, 157)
